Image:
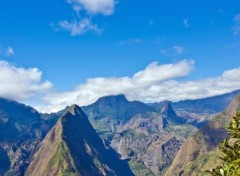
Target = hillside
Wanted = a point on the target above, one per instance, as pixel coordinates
(199, 152)
(72, 147)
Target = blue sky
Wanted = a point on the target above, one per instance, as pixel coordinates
(72, 41)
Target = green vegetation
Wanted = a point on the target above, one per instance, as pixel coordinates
(62, 160)
(139, 168)
(231, 151)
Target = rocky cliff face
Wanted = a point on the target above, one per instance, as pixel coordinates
(202, 146)
(73, 147)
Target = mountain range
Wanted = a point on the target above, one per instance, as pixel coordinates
(143, 139)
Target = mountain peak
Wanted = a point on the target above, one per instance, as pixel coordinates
(117, 107)
(170, 114)
(167, 109)
(75, 110)
(73, 147)
(113, 98)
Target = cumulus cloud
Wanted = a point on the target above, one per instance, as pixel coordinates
(153, 84)
(236, 27)
(10, 51)
(19, 83)
(84, 11)
(104, 7)
(79, 27)
(94, 88)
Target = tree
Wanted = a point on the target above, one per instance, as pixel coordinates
(231, 151)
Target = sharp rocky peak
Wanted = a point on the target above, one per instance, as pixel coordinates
(75, 109)
(167, 108)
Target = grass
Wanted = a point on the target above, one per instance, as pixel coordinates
(63, 160)
(202, 163)
(140, 169)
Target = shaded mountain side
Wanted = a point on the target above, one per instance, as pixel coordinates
(4, 161)
(73, 147)
(21, 129)
(15, 119)
(204, 141)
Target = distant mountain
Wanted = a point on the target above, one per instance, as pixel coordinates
(21, 129)
(14, 119)
(73, 147)
(215, 104)
(197, 112)
(170, 115)
(200, 152)
(117, 107)
(109, 113)
(139, 132)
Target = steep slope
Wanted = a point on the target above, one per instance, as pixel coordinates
(21, 129)
(202, 146)
(72, 147)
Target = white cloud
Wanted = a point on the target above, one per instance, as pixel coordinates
(94, 88)
(79, 27)
(236, 27)
(19, 83)
(155, 83)
(83, 21)
(10, 51)
(186, 23)
(179, 49)
(104, 7)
